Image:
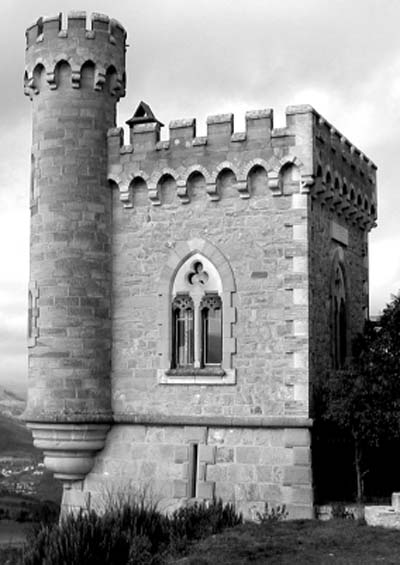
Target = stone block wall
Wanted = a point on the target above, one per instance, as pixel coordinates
(74, 77)
(247, 466)
(355, 252)
(262, 234)
(266, 208)
(342, 212)
(252, 235)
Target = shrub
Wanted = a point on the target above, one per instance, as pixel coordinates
(46, 512)
(132, 534)
(22, 515)
(273, 514)
(201, 520)
(10, 555)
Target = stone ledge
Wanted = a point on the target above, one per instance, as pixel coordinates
(192, 372)
(197, 376)
(32, 416)
(215, 421)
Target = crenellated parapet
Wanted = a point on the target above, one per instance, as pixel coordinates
(345, 177)
(98, 42)
(307, 154)
(185, 154)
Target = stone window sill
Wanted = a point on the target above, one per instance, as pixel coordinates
(204, 376)
(192, 372)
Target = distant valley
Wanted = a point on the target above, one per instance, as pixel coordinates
(11, 404)
(21, 469)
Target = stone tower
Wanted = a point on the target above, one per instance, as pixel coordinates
(74, 77)
(186, 294)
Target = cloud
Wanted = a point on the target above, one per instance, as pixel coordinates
(385, 276)
(193, 59)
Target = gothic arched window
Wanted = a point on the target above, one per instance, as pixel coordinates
(339, 317)
(196, 316)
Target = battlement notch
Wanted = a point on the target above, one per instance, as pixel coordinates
(97, 41)
(77, 24)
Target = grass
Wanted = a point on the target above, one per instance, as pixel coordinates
(10, 555)
(344, 542)
(134, 533)
(308, 542)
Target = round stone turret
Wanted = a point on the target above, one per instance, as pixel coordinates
(74, 77)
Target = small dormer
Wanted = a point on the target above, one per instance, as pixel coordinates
(142, 115)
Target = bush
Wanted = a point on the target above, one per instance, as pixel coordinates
(201, 520)
(132, 534)
(22, 516)
(273, 514)
(10, 555)
(46, 512)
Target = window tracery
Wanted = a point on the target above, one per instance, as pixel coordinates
(197, 317)
(182, 331)
(211, 329)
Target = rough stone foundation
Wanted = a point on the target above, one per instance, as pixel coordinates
(247, 466)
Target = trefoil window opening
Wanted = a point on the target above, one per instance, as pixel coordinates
(196, 318)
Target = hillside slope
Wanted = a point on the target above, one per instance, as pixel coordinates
(15, 439)
(11, 405)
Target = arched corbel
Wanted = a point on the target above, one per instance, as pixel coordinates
(51, 80)
(154, 195)
(125, 194)
(76, 76)
(99, 77)
(273, 182)
(212, 191)
(242, 186)
(182, 191)
(307, 181)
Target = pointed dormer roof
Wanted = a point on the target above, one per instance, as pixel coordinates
(143, 115)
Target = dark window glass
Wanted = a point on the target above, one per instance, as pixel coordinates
(339, 321)
(183, 334)
(30, 314)
(192, 471)
(211, 330)
(342, 334)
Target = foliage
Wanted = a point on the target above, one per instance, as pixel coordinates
(273, 514)
(132, 534)
(20, 508)
(340, 510)
(363, 400)
(10, 555)
(298, 542)
(46, 512)
(284, 542)
(200, 520)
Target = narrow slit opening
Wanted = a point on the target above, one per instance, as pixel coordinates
(193, 469)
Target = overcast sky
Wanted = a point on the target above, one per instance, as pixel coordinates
(193, 58)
